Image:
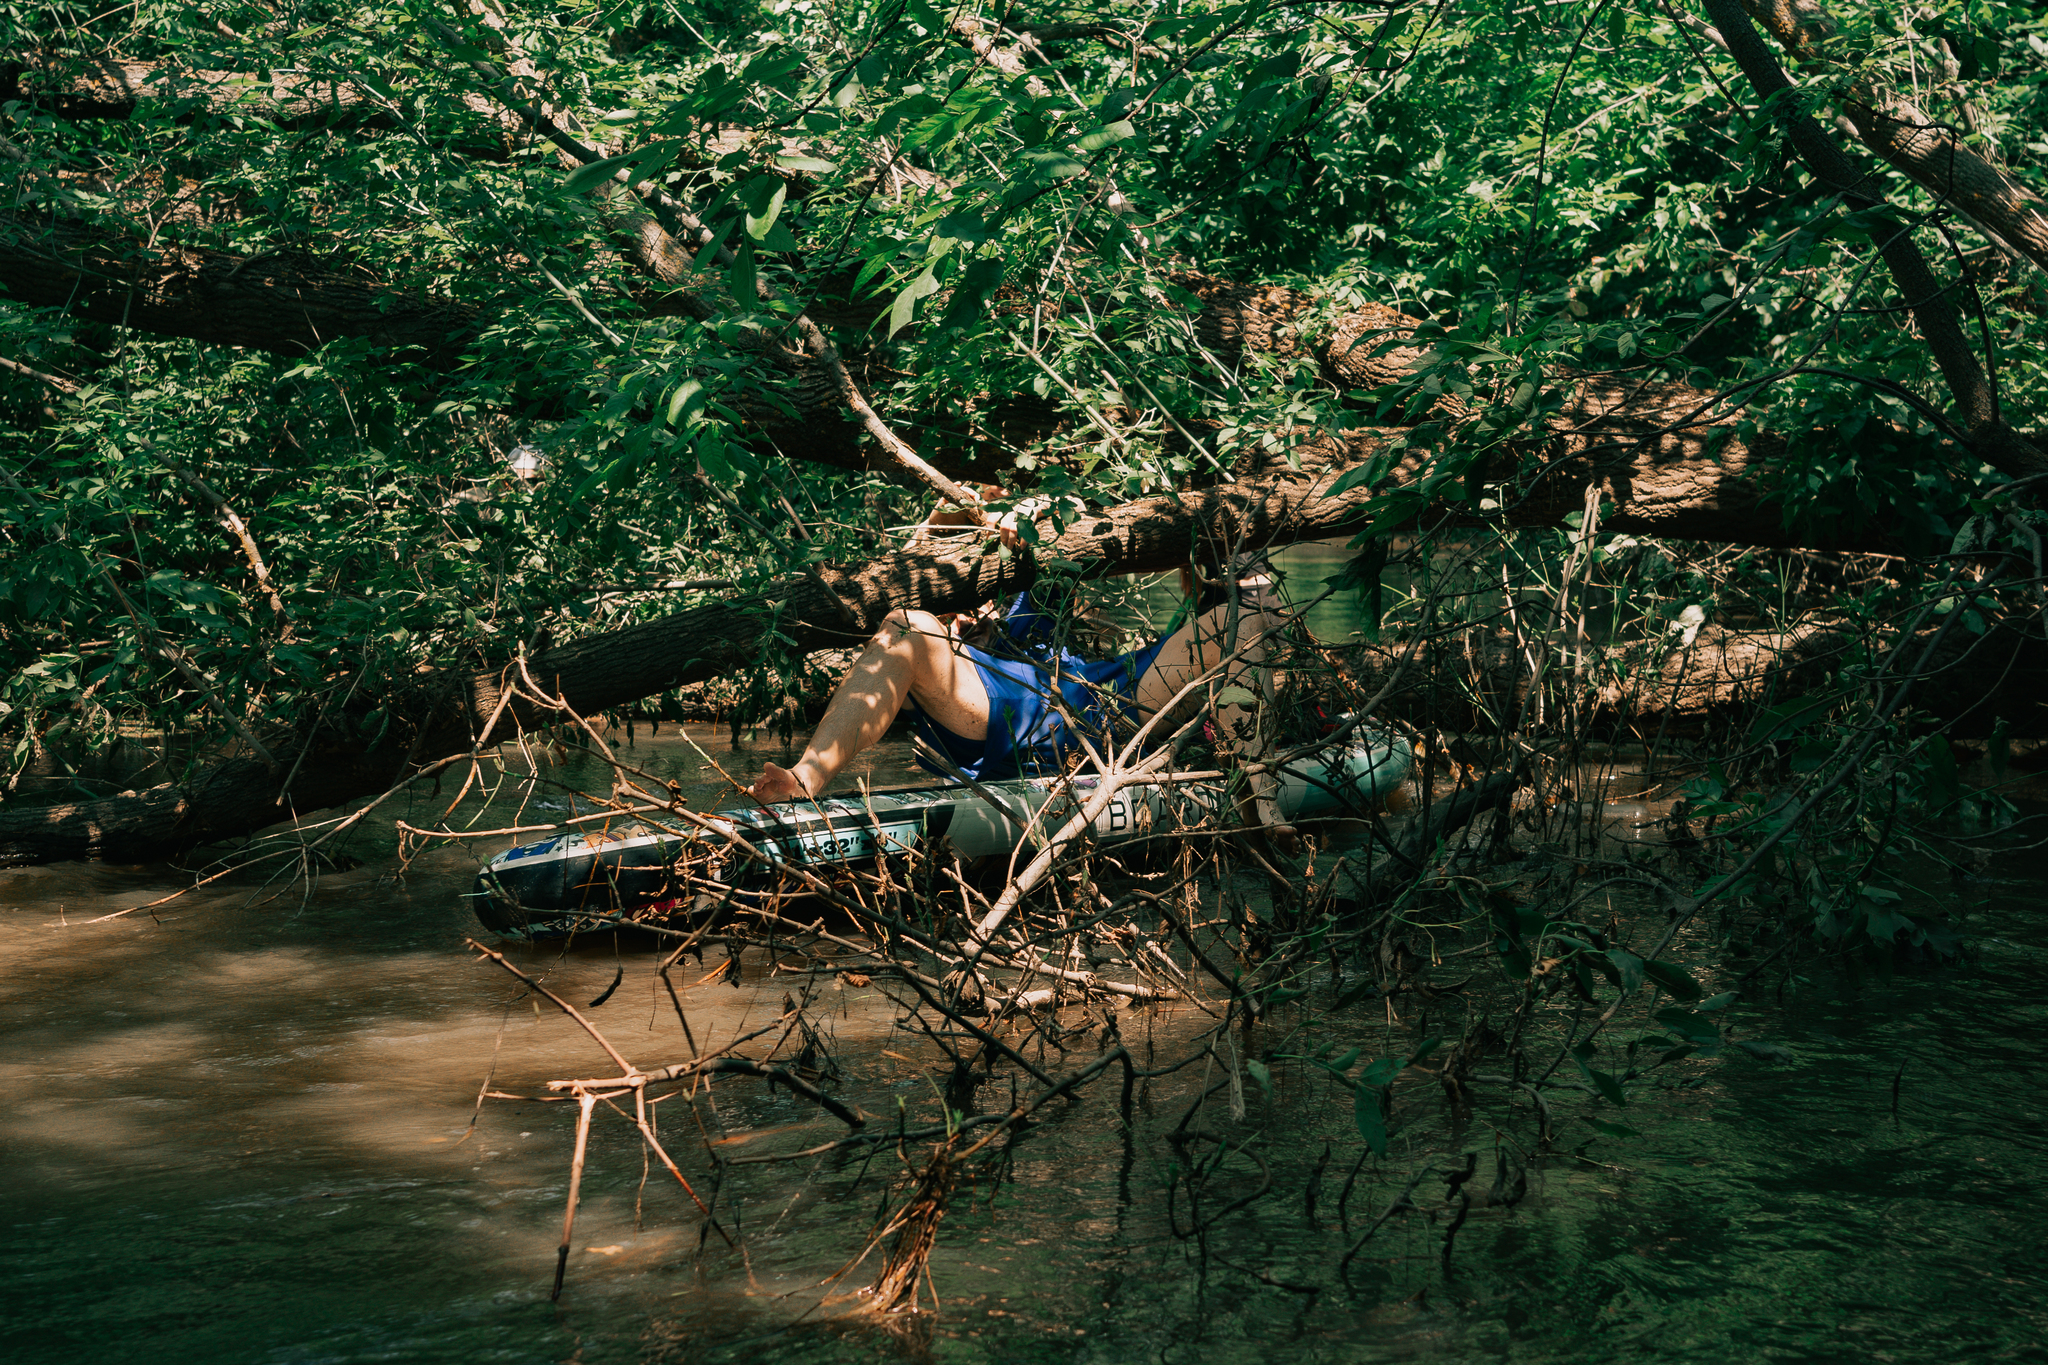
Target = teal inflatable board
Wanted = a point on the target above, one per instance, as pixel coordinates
(548, 889)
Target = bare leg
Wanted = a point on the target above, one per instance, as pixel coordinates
(1203, 644)
(913, 655)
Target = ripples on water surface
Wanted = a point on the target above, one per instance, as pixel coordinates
(238, 1136)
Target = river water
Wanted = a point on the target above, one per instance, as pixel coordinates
(241, 1131)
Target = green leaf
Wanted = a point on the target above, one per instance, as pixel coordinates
(1277, 68)
(1381, 1073)
(1688, 1025)
(688, 397)
(763, 196)
(1361, 574)
(1236, 696)
(1361, 571)
(1353, 996)
(905, 307)
(1628, 966)
(1352, 478)
(809, 164)
(589, 482)
(741, 278)
(1397, 507)
(961, 227)
(584, 179)
(711, 455)
(1613, 1130)
(1787, 718)
(875, 265)
(1371, 1118)
(972, 291)
(1261, 1073)
(779, 237)
(772, 66)
(1944, 783)
(1207, 140)
(1674, 979)
(715, 239)
(1608, 1087)
(1050, 164)
(1107, 135)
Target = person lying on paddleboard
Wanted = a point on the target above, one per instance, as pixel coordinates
(999, 694)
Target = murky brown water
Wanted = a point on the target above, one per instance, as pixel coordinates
(242, 1133)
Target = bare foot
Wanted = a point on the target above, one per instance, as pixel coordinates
(776, 784)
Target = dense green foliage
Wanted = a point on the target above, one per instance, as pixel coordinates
(1550, 185)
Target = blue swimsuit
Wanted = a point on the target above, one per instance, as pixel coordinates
(1027, 736)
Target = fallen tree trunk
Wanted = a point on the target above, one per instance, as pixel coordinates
(276, 302)
(104, 88)
(1667, 464)
(829, 608)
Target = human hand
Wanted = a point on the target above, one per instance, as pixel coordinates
(776, 784)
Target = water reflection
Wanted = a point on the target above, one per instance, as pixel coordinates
(243, 1134)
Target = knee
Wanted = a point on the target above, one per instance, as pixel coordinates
(908, 624)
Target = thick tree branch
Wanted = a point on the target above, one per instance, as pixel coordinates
(1939, 320)
(274, 302)
(1931, 153)
(830, 608)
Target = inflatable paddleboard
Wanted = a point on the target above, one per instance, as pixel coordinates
(548, 889)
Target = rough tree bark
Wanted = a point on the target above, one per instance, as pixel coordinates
(276, 302)
(1932, 153)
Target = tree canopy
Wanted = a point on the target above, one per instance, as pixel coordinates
(286, 285)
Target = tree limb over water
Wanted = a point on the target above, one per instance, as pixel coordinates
(829, 608)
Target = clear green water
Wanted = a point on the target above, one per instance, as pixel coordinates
(232, 1137)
